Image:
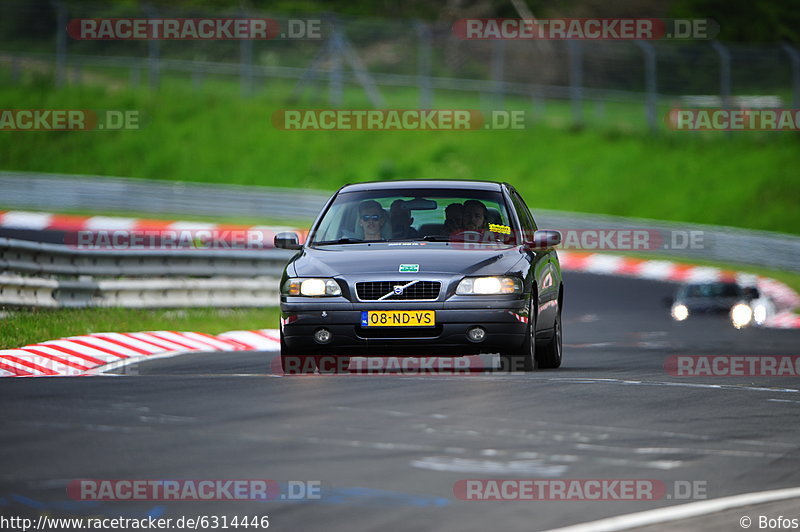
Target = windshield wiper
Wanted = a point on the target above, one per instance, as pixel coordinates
(435, 238)
(340, 241)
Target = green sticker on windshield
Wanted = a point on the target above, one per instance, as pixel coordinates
(409, 268)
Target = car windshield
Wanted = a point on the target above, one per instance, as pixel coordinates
(713, 290)
(479, 217)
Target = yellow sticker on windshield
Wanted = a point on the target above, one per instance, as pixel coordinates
(506, 230)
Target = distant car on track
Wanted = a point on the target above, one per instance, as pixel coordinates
(743, 305)
(422, 267)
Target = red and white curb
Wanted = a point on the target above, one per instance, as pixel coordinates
(43, 221)
(92, 353)
(784, 298)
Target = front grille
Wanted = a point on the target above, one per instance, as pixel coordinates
(419, 291)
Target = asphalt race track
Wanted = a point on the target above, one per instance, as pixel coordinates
(389, 449)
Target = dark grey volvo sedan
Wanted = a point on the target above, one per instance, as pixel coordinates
(422, 267)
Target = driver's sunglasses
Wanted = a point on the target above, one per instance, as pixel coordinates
(371, 217)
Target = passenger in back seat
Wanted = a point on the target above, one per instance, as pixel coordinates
(453, 221)
(401, 220)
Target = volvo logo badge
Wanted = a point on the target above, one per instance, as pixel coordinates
(398, 290)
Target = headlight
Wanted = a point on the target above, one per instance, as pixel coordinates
(741, 314)
(679, 312)
(489, 285)
(760, 314)
(311, 287)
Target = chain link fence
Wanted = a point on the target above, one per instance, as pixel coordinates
(407, 63)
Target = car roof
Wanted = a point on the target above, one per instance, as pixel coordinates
(460, 184)
(711, 283)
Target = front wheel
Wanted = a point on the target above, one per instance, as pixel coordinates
(294, 364)
(549, 356)
(523, 358)
(331, 364)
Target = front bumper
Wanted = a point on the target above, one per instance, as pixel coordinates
(505, 322)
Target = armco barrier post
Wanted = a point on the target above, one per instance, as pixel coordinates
(153, 52)
(246, 64)
(498, 72)
(61, 44)
(424, 65)
(724, 72)
(794, 57)
(335, 74)
(576, 80)
(651, 97)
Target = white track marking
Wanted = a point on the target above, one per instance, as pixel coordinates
(703, 274)
(134, 342)
(58, 354)
(193, 344)
(726, 387)
(656, 269)
(26, 220)
(681, 512)
(256, 341)
(102, 370)
(671, 450)
(222, 346)
(22, 366)
(82, 349)
(489, 467)
(192, 226)
(100, 342)
(166, 345)
(603, 263)
(110, 223)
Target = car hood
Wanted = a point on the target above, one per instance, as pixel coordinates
(432, 259)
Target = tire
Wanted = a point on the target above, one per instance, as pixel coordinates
(522, 358)
(294, 364)
(330, 364)
(550, 354)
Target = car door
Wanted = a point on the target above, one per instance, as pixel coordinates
(542, 268)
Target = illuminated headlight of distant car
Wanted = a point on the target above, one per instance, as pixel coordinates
(760, 314)
(679, 312)
(311, 287)
(741, 314)
(489, 286)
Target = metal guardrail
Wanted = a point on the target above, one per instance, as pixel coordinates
(718, 243)
(55, 192)
(23, 256)
(20, 291)
(35, 274)
(53, 275)
(80, 192)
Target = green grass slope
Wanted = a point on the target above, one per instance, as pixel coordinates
(214, 135)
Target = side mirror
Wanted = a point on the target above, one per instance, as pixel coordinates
(287, 240)
(544, 239)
